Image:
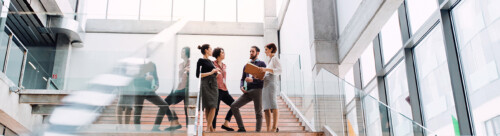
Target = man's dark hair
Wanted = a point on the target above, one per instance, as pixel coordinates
(256, 48)
(217, 52)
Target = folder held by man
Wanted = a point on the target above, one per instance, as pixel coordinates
(254, 71)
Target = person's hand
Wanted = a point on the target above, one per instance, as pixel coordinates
(219, 70)
(243, 90)
(249, 80)
(186, 69)
(214, 71)
(262, 69)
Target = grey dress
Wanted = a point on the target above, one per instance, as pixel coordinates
(271, 85)
(209, 89)
(270, 91)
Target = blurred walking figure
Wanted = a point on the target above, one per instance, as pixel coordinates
(177, 95)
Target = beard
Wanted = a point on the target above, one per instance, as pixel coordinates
(253, 57)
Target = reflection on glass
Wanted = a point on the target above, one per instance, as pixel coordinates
(372, 113)
(15, 62)
(4, 40)
(349, 88)
(252, 10)
(434, 83)
(398, 98)
(390, 38)
(419, 11)
(123, 9)
(156, 9)
(220, 10)
(476, 28)
(367, 61)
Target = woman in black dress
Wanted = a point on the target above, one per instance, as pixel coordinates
(208, 87)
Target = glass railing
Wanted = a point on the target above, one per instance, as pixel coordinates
(328, 102)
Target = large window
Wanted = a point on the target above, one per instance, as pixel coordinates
(220, 10)
(251, 10)
(477, 25)
(123, 9)
(367, 61)
(434, 83)
(419, 11)
(372, 113)
(190, 9)
(156, 9)
(390, 38)
(399, 100)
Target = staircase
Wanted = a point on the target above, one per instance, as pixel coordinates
(107, 123)
(289, 124)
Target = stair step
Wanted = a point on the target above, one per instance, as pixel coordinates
(290, 133)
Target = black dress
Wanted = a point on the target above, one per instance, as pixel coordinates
(209, 89)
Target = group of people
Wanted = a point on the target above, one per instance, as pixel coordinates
(262, 92)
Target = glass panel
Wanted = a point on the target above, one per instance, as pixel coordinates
(476, 25)
(35, 76)
(95, 9)
(15, 62)
(156, 9)
(367, 61)
(419, 11)
(4, 40)
(390, 38)
(349, 86)
(252, 10)
(399, 99)
(220, 10)
(190, 9)
(372, 113)
(434, 84)
(123, 9)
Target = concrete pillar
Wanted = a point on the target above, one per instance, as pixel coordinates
(323, 35)
(61, 60)
(270, 22)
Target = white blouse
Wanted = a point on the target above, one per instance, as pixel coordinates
(275, 64)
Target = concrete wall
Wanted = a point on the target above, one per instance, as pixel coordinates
(294, 38)
(345, 11)
(237, 50)
(14, 115)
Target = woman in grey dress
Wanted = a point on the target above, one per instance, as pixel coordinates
(271, 87)
(209, 89)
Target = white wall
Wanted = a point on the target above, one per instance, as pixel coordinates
(237, 49)
(102, 50)
(294, 38)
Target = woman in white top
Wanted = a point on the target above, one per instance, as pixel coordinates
(271, 87)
